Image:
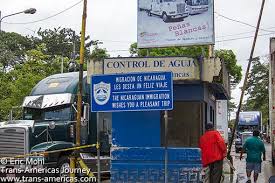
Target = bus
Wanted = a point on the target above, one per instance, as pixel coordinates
(248, 122)
(197, 6)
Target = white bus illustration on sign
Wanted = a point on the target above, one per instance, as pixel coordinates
(166, 9)
(197, 6)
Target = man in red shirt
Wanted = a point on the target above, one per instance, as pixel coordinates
(213, 150)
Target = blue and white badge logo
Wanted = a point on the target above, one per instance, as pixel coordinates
(102, 92)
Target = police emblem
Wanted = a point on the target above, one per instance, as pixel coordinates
(102, 92)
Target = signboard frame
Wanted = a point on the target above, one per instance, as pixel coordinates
(212, 42)
(171, 98)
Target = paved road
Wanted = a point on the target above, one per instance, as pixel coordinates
(240, 175)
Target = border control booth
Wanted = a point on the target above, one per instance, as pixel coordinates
(138, 140)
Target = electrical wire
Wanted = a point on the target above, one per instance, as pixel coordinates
(131, 41)
(229, 35)
(234, 39)
(238, 34)
(117, 41)
(241, 22)
(43, 19)
(117, 50)
(225, 40)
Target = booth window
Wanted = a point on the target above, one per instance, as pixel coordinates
(184, 125)
(213, 114)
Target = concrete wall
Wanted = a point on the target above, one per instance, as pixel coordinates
(94, 67)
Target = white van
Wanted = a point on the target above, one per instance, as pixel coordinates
(169, 9)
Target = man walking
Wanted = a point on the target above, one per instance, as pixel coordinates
(213, 151)
(254, 148)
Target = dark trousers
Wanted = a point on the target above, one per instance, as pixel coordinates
(216, 171)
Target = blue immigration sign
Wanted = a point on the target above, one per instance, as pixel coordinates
(132, 92)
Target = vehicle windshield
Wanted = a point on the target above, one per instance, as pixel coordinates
(62, 113)
(197, 2)
(169, 0)
(244, 128)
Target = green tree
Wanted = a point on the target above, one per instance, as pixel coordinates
(99, 53)
(12, 48)
(191, 51)
(230, 60)
(24, 61)
(18, 82)
(227, 56)
(257, 89)
(231, 105)
(59, 41)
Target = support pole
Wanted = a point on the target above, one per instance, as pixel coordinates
(11, 114)
(210, 51)
(62, 63)
(98, 148)
(80, 83)
(72, 167)
(165, 145)
(245, 81)
(73, 46)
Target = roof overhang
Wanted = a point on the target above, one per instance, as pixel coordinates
(219, 91)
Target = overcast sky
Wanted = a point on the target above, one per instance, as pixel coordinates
(115, 23)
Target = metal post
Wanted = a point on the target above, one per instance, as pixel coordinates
(245, 81)
(80, 83)
(11, 115)
(165, 145)
(72, 167)
(98, 147)
(74, 46)
(62, 62)
(47, 133)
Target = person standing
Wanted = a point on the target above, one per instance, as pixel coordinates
(254, 148)
(213, 150)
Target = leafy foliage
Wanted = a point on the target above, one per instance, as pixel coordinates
(192, 51)
(230, 60)
(25, 61)
(18, 83)
(60, 41)
(257, 89)
(12, 48)
(231, 106)
(99, 54)
(227, 56)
